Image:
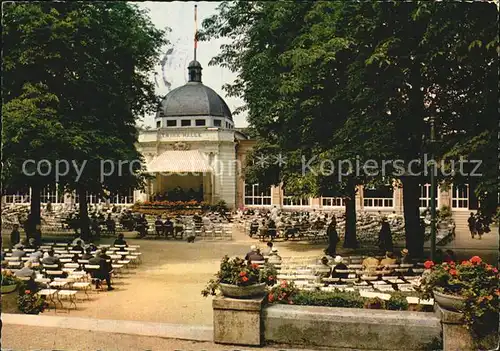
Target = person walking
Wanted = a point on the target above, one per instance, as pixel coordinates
(385, 237)
(471, 221)
(15, 235)
(333, 239)
(479, 226)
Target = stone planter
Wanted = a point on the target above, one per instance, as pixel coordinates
(7, 289)
(457, 337)
(243, 292)
(449, 302)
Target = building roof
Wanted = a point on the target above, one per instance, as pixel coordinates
(194, 99)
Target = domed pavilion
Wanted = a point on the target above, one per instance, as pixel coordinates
(192, 153)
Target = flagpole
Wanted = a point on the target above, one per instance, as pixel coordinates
(195, 30)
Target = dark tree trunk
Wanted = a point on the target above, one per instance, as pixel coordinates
(350, 240)
(411, 204)
(35, 210)
(84, 215)
(35, 206)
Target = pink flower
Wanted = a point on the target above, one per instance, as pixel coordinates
(475, 260)
(428, 264)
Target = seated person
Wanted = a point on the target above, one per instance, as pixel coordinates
(323, 273)
(78, 239)
(120, 240)
(255, 256)
(179, 228)
(339, 266)
(405, 257)
(87, 255)
(370, 263)
(26, 271)
(75, 258)
(51, 259)
(267, 251)
(263, 229)
(388, 260)
(159, 226)
(32, 244)
(35, 256)
(17, 252)
(78, 246)
(290, 230)
(168, 228)
(254, 226)
(274, 258)
(271, 229)
(253, 249)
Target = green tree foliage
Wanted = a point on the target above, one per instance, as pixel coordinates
(95, 58)
(353, 80)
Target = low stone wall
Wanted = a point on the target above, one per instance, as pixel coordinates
(349, 327)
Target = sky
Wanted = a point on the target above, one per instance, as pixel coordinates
(179, 17)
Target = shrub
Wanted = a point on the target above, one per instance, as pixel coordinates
(397, 302)
(374, 303)
(329, 299)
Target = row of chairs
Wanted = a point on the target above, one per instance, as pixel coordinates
(64, 283)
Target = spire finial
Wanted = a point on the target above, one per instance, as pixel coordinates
(195, 30)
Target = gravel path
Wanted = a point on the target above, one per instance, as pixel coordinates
(166, 287)
(46, 339)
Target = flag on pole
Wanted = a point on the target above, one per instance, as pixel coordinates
(195, 27)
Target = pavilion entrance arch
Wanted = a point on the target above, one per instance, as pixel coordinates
(181, 175)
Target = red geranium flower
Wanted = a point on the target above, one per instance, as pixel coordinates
(475, 260)
(271, 277)
(428, 264)
(242, 274)
(27, 292)
(270, 298)
(255, 265)
(453, 271)
(283, 283)
(245, 279)
(495, 270)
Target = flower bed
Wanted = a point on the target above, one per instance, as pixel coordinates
(178, 207)
(287, 293)
(171, 205)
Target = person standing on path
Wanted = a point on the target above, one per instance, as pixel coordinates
(385, 237)
(333, 239)
(479, 226)
(15, 236)
(472, 224)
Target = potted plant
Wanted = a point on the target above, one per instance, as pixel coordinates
(471, 287)
(9, 282)
(238, 279)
